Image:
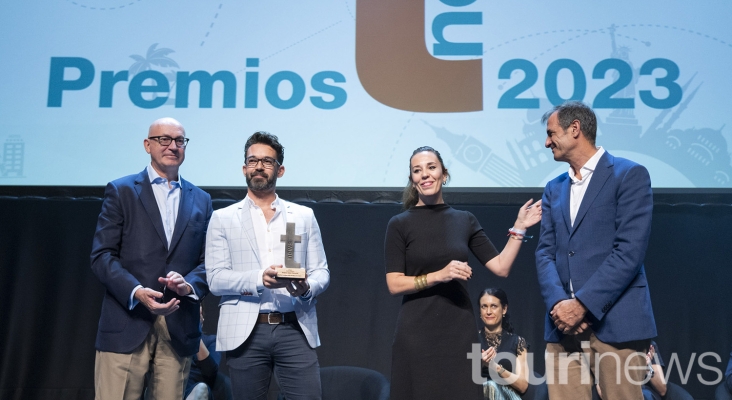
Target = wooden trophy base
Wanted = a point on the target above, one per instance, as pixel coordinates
(291, 273)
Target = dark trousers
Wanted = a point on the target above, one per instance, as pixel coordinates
(280, 348)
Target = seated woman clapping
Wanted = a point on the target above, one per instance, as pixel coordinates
(503, 352)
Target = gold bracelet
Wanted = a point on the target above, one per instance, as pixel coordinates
(417, 284)
(420, 282)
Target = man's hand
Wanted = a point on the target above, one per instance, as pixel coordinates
(298, 287)
(149, 298)
(175, 282)
(568, 315)
(579, 328)
(270, 279)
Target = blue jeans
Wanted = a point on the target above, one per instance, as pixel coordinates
(280, 348)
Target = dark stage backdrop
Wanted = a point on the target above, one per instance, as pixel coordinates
(50, 300)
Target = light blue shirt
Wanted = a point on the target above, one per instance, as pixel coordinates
(168, 198)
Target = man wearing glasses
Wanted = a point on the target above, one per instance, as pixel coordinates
(266, 323)
(148, 253)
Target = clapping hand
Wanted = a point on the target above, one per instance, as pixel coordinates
(150, 299)
(175, 282)
(488, 355)
(649, 356)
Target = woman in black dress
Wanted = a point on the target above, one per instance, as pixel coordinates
(426, 251)
(508, 379)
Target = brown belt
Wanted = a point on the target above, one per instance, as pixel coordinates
(275, 318)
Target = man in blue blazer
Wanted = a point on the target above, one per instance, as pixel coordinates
(148, 253)
(595, 229)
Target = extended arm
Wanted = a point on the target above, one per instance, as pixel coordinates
(529, 214)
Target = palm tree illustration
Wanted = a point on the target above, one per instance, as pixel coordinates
(156, 58)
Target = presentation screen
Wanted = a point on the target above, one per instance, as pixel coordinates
(352, 87)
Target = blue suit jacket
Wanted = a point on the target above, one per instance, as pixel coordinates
(130, 249)
(602, 253)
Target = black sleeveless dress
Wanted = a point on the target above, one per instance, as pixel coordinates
(436, 327)
(505, 343)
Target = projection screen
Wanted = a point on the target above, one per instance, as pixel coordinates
(353, 87)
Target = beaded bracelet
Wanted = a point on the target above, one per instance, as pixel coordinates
(517, 234)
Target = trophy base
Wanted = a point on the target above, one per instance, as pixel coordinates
(291, 273)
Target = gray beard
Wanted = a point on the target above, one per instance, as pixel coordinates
(262, 186)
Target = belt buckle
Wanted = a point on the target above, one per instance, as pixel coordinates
(278, 320)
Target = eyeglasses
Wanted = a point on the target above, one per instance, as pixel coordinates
(167, 140)
(267, 162)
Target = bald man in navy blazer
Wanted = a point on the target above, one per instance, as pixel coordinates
(148, 252)
(595, 227)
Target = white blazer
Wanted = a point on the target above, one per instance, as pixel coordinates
(233, 268)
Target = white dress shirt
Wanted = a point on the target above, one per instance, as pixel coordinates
(579, 188)
(271, 252)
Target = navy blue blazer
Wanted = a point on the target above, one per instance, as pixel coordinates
(130, 249)
(602, 253)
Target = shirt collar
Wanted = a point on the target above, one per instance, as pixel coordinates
(155, 178)
(249, 203)
(589, 166)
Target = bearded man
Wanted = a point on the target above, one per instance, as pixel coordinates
(266, 323)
